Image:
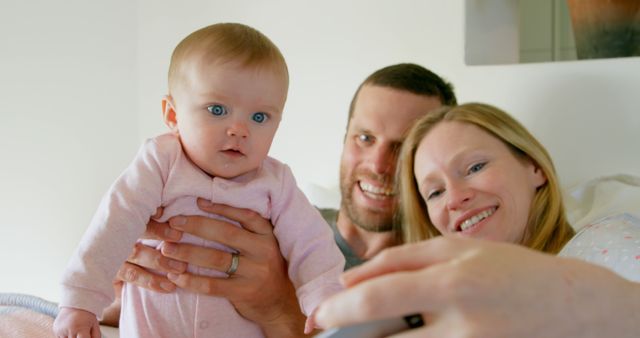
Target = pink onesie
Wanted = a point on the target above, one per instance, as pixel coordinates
(162, 175)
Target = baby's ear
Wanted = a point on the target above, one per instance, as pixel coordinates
(169, 114)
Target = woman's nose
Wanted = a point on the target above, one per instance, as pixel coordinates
(458, 194)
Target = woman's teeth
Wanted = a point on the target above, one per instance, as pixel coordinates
(475, 219)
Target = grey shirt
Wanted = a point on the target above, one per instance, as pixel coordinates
(331, 216)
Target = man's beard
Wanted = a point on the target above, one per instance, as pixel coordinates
(367, 219)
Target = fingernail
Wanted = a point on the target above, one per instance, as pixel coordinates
(167, 286)
(169, 248)
(178, 221)
(204, 203)
(177, 266)
(173, 234)
(130, 275)
(172, 276)
(158, 213)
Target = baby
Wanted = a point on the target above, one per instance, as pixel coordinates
(227, 89)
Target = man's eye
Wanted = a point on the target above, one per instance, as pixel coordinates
(476, 167)
(259, 117)
(217, 110)
(364, 138)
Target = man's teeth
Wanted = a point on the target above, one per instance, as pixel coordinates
(369, 188)
(475, 219)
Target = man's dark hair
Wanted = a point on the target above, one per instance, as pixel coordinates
(412, 78)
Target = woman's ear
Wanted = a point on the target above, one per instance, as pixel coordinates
(169, 114)
(538, 177)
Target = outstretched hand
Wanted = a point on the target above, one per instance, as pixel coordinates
(473, 288)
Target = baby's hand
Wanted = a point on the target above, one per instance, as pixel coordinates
(72, 323)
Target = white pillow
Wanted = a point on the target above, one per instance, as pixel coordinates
(602, 196)
(612, 242)
(320, 196)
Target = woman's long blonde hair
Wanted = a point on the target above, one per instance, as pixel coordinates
(547, 227)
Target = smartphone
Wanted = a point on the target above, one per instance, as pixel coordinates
(375, 328)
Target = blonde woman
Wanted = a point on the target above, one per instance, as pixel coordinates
(474, 171)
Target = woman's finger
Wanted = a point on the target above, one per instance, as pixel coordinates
(387, 296)
(404, 258)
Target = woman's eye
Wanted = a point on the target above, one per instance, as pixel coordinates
(434, 194)
(476, 167)
(259, 117)
(217, 110)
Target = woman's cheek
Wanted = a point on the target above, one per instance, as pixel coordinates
(438, 218)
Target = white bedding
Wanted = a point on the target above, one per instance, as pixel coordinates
(603, 196)
(28, 316)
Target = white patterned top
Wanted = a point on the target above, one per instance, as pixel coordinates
(612, 242)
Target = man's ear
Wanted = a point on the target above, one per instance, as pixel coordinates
(169, 114)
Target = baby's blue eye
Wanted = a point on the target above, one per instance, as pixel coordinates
(217, 110)
(259, 117)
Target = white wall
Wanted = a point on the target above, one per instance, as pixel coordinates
(68, 127)
(585, 112)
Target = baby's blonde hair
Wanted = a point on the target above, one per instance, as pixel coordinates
(547, 227)
(225, 42)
